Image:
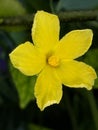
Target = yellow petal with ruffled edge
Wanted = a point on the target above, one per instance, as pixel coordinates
(74, 44)
(45, 30)
(76, 74)
(27, 59)
(48, 88)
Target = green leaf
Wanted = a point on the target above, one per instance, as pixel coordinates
(11, 8)
(24, 85)
(96, 84)
(91, 58)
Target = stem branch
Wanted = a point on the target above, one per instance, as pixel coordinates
(93, 108)
(68, 16)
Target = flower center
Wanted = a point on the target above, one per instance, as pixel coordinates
(53, 61)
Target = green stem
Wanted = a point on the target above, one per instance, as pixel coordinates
(51, 6)
(71, 112)
(68, 16)
(93, 108)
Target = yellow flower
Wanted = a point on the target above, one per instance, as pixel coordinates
(53, 59)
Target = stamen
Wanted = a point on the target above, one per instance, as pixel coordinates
(53, 61)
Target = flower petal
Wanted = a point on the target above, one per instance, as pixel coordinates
(76, 74)
(45, 30)
(48, 88)
(27, 59)
(75, 44)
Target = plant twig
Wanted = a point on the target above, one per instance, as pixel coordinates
(90, 15)
(93, 108)
(70, 111)
(67, 16)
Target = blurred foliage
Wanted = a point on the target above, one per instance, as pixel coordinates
(78, 109)
(76, 4)
(33, 5)
(11, 8)
(24, 85)
(35, 127)
(91, 58)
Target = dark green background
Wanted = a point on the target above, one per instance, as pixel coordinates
(78, 109)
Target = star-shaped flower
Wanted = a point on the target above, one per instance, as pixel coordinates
(53, 60)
